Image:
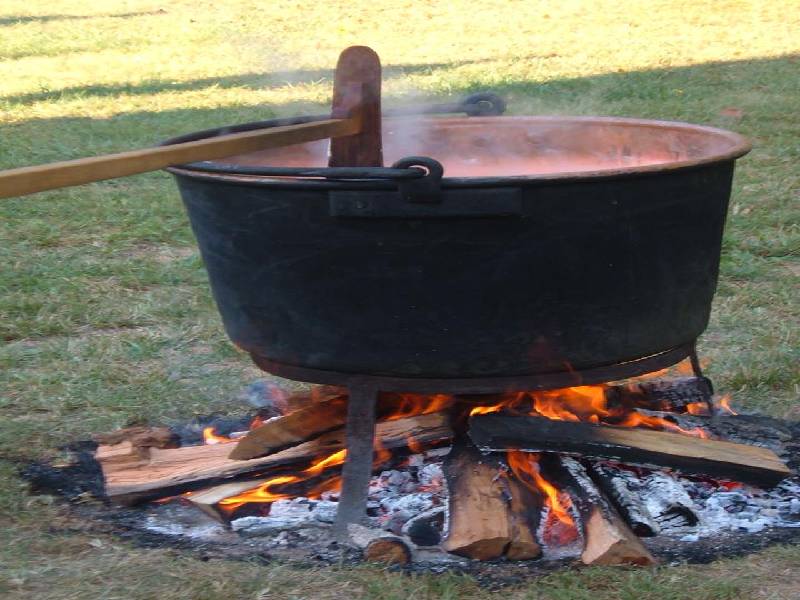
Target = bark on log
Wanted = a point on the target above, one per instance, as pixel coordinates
(478, 524)
(388, 550)
(379, 546)
(315, 395)
(173, 471)
(683, 453)
(607, 540)
(669, 394)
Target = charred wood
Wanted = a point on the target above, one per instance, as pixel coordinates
(669, 394)
(683, 453)
(607, 540)
(425, 528)
(667, 501)
(625, 490)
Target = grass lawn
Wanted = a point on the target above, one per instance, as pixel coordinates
(105, 313)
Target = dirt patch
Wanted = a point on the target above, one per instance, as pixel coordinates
(160, 253)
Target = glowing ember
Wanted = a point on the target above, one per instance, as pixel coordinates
(210, 437)
(559, 529)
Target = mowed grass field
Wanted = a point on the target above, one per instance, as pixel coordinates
(105, 313)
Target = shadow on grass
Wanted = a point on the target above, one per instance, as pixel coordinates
(252, 81)
(692, 92)
(22, 19)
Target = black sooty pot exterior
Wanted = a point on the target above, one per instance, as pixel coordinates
(502, 276)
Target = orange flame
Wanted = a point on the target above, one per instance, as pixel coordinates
(411, 405)
(560, 528)
(264, 493)
(585, 403)
(701, 408)
(210, 437)
(725, 404)
(405, 405)
(635, 419)
(697, 408)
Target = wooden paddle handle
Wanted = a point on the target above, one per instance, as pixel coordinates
(28, 180)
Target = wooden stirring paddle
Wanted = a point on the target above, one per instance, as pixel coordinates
(355, 121)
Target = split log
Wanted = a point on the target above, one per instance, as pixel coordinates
(683, 453)
(607, 540)
(625, 490)
(524, 513)
(315, 395)
(292, 429)
(478, 524)
(173, 471)
(378, 546)
(134, 443)
(315, 419)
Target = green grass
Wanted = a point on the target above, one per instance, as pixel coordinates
(105, 313)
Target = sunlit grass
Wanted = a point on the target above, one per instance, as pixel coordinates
(105, 312)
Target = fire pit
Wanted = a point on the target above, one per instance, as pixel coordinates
(434, 500)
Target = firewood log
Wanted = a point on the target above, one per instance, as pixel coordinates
(626, 490)
(683, 453)
(607, 539)
(134, 443)
(524, 512)
(379, 546)
(310, 421)
(478, 524)
(173, 471)
(669, 394)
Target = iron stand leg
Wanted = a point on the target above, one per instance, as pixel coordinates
(357, 469)
(698, 372)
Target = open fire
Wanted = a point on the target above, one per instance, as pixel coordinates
(587, 470)
(412, 507)
(588, 404)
